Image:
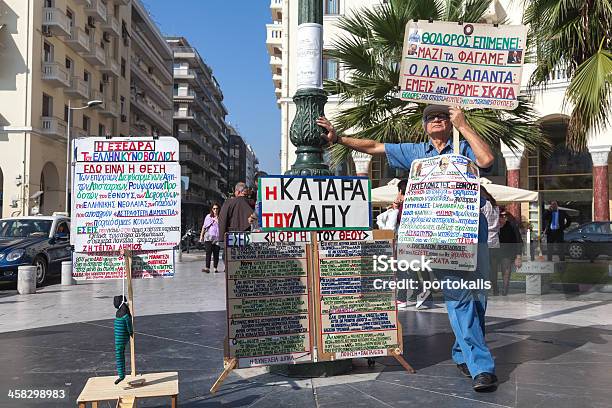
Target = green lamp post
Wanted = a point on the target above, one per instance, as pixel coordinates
(310, 97)
(305, 134)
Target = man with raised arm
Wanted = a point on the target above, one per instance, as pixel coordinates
(466, 307)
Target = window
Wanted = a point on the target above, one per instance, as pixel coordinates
(123, 67)
(86, 123)
(47, 105)
(331, 68)
(70, 17)
(122, 100)
(70, 66)
(47, 52)
(86, 76)
(332, 6)
(101, 130)
(49, 3)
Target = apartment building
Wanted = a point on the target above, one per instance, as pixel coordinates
(237, 158)
(199, 125)
(252, 166)
(578, 181)
(56, 54)
(151, 77)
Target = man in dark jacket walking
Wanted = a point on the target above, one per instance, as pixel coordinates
(555, 223)
(235, 212)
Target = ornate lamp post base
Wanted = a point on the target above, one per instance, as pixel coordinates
(306, 134)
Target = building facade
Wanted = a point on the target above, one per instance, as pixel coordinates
(580, 182)
(199, 125)
(237, 159)
(56, 54)
(151, 77)
(252, 166)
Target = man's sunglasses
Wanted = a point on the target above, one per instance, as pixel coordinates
(440, 116)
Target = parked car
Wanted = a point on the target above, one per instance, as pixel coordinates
(42, 241)
(589, 240)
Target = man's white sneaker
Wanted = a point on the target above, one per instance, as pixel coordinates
(421, 298)
(401, 305)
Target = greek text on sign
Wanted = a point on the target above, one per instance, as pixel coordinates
(126, 194)
(441, 212)
(472, 65)
(314, 203)
(145, 264)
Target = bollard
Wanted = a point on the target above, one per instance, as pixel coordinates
(67, 279)
(180, 255)
(26, 279)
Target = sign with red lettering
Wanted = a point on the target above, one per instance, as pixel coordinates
(299, 203)
(125, 194)
(471, 65)
(441, 212)
(108, 265)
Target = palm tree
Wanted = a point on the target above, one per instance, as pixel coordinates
(371, 50)
(575, 37)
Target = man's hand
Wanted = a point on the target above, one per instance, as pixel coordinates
(457, 117)
(330, 136)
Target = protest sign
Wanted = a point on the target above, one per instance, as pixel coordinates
(296, 203)
(471, 65)
(355, 319)
(268, 305)
(440, 213)
(126, 194)
(104, 265)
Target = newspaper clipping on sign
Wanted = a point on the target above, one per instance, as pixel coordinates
(441, 212)
(470, 65)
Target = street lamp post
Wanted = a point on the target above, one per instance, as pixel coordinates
(68, 161)
(305, 134)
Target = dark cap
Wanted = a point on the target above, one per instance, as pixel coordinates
(431, 109)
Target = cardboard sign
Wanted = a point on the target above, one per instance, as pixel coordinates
(267, 300)
(440, 213)
(126, 194)
(104, 266)
(471, 65)
(296, 203)
(356, 318)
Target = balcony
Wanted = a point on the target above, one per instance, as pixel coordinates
(276, 8)
(150, 85)
(196, 179)
(111, 66)
(192, 197)
(97, 10)
(122, 2)
(187, 74)
(55, 21)
(274, 37)
(55, 74)
(96, 54)
(83, 2)
(78, 40)
(111, 25)
(153, 113)
(191, 158)
(181, 95)
(78, 88)
(52, 126)
(188, 53)
(109, 108)
(276, 61)
(164, 67)
(194, 139)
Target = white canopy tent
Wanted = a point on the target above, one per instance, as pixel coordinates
(503, 194)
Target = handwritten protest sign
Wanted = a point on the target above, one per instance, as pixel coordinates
(355, 318)
(472, 65)
(126, 194)
(298, 203)
(440, 213)
(267, 298)
(101, 266)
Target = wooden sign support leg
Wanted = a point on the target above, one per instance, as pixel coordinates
(398, 356)
(128, 268)
(229, 366)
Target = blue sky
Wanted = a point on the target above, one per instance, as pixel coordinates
(231, 37)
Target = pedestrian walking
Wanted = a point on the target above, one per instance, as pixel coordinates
(235, 212)
(466, 307)
(511, 247)
(210, 236)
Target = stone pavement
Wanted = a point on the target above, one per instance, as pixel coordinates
(550, 351)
